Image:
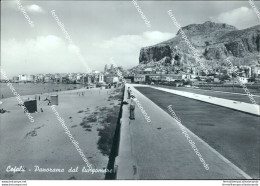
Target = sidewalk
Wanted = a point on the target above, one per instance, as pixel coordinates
(159, 150)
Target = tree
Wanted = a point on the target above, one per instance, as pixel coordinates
(224, 77)
(203, 73)
(251, 79)
(209, 80)
(188, 82)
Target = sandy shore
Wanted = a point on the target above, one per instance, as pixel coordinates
(44, 142)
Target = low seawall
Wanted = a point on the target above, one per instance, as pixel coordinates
(125, 167)
(115, 145)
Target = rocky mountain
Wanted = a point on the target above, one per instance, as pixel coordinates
(214, 42)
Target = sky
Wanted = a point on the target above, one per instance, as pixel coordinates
(100, 30)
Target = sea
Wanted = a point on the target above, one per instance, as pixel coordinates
(35, 88)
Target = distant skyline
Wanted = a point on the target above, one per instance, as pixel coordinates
(100, 30)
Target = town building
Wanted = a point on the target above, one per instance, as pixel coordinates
(139, 78)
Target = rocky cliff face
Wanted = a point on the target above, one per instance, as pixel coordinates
(213, 41)
(155, 53)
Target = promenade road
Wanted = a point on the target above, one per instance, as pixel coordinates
(161, 151)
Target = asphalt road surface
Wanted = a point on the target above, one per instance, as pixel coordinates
(233, 134)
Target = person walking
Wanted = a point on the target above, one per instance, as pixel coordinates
(129, 92)
(132, 109)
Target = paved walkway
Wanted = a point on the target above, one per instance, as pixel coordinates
(159, 150)
(236, 105)
(236, 93)
(225, 95)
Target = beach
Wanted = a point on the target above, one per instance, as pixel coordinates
(34, 148)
